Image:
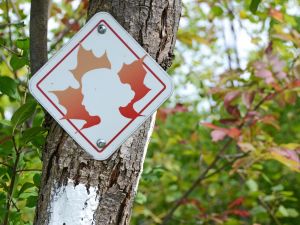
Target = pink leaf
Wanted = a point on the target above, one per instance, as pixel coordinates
(289, 154)
(230, 96)
(287, 157)
(264, 73)
(218, 135)
(248, 98)
(259, 65)
(281, 75)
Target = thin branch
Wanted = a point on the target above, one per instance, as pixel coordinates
(38, 34)
(235, 48)
(3, 25)
(196, 183)
(8, 22)
(4, 164)
(11, 189)
(10, 50)
(29, 170)
(270, 212)
(227, 48)
(15, 205)
(229, 163)
(18, 15)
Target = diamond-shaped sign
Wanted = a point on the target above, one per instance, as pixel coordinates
(101, 86)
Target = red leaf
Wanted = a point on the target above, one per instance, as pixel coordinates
(237, 202)
(134, 74)
(194, 202)
(234, 111)
(180, 108)
(5, 139)
(239, 212)
(294, 84)
(210, 125)
(71, 99)
(276, 14)
(165, 112)
(82, 67)
(75, 26)
(234, 132)
(229, 121)
(65, 21)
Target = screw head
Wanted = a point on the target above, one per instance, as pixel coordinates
(102, 29)
(101, 143)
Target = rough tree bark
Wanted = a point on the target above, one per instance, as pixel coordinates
(76, 189)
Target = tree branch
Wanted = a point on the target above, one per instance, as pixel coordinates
(9, 23)
(38, 33)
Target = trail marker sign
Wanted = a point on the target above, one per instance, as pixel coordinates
(101, 86)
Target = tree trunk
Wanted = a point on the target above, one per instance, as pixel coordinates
(76, 189)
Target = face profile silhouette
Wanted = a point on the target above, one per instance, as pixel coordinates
(104, 94)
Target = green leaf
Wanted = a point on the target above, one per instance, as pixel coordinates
(31, 133)
(252, 185)
(217, 11)
(37, 179)
(140, 198)
(293, 213)
(20, 24)
(254, 5)
(31, 201)
(282, 211)
(278, 187)
(17, 62)
(23, 44)
(5, 123)
(23, 113)
(25, 186)
(9, 87)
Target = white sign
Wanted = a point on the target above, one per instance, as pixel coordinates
(101, 86)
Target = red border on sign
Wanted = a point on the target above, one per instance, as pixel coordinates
(72, 124)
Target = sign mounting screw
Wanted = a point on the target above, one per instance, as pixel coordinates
(102, 29)
(101, 143)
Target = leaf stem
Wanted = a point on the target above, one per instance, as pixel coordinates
(11, 188)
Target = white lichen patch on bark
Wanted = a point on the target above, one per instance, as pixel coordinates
(73, 205)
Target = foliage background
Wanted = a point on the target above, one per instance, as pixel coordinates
(226, 146)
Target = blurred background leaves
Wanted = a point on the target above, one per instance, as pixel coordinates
(226, 146)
